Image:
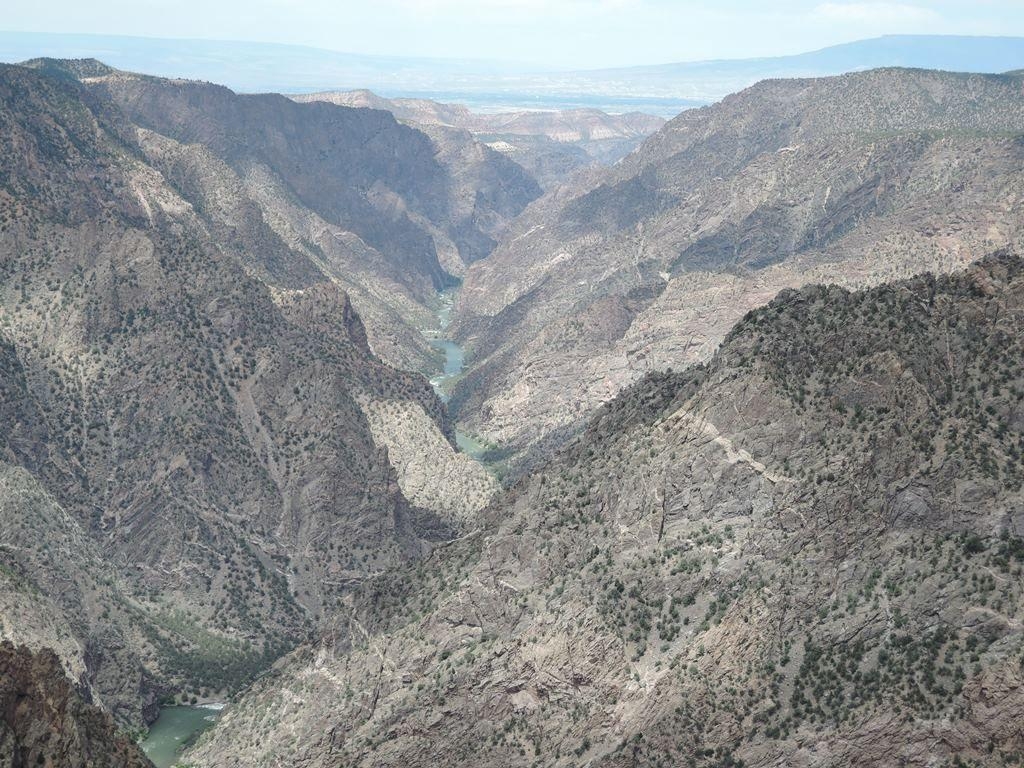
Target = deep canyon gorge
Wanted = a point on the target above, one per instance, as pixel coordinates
(348, 430)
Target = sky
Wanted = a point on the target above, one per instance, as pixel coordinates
(564, 34)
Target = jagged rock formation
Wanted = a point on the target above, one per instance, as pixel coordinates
(192, 484)
(44, 722)
(551, 145)
(808, 551)
(855, 179)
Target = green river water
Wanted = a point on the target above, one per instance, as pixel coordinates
(176, 728)
(454, 361)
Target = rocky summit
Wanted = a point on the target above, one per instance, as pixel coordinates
(363, 432)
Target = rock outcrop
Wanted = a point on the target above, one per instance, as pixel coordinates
(44, 722)
(431, 472)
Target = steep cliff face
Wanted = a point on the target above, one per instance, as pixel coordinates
(185, 392)
(359, 169)
(856, 179)
(44, 722)
(806, 552)
(487, 189)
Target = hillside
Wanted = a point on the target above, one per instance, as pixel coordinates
(856, 179)
(806, 552)
(191, 480)
(389, 213)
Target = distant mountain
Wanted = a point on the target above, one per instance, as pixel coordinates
(663, 90)
(712, 80)
(570, 125)
(253, 67)
(854, 179)
(246, 66)
(550, 144)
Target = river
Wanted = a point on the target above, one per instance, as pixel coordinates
(175, 729)
(454, 362)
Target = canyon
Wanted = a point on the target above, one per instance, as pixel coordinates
(641, 444)
(552, 145)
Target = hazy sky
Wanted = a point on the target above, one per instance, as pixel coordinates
(558, 33)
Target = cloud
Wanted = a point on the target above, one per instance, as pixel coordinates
(875, 13)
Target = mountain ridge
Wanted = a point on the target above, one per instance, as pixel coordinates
(859, 178)
(191, 479)
(666, 89)
(805, 551)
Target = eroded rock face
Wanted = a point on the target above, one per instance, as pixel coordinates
(44, 722)
(807, 552)
(854, 180)
(391, 214)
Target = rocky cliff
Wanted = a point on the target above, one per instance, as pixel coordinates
(856, 179)
(389, 213)
(44, 722)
